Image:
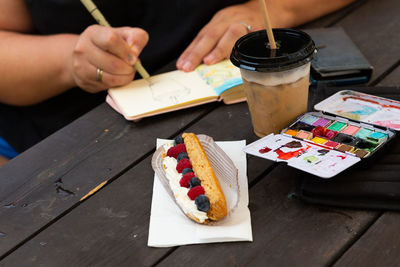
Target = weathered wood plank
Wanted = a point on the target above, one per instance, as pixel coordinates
(374, 29)
(286, 232)
(97, 176)
(379, 246)
(393, 78)
(110, 228)
(311, 235)
(236, 125)
(34, 186)
(122, 209)
(333, 18)
(112, 225)
(289, 232)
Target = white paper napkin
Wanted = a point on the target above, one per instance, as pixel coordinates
(170, 227)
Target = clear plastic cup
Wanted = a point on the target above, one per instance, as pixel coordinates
(276, 82)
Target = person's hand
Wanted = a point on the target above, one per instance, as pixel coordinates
(215, 41)
(103, 57)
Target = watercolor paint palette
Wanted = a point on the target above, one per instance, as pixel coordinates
(326, 144)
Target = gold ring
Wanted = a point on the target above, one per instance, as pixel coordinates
(247, 26)
(99, 75)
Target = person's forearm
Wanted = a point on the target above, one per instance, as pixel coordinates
(34, 68)
(291, 13)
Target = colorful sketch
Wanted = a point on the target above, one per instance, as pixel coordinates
(218, 74)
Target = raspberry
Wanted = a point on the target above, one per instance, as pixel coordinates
(182, 155)
(184, 182)
(202, 202)
(178, 140)
(194, 182)
(183, 164)
(186, 170)
(175, 150)
(195, 191)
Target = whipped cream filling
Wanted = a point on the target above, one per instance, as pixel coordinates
(188, 206)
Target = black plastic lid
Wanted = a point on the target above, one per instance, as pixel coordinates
(294, 48)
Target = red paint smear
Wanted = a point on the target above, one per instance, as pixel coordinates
(320, 145)
(289, 155)
(380, 98)
(371, 101)
(264, 150)
(323, 132)
(342, 157)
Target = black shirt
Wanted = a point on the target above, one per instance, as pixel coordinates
(172, 25)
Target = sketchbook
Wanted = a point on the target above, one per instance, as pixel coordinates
(178, 90)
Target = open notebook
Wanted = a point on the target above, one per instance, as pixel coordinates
(177, 90)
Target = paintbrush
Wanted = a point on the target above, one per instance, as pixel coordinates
(98, 16)
(267, 24)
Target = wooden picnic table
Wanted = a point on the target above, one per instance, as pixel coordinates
(43, 222)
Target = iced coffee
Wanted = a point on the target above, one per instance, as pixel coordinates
(276, 100)
(276, 84)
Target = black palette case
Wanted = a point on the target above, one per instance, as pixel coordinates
(373, 185)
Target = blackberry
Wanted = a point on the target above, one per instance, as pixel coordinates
(186, 170)
(202, 202)
(178, 140)
(194, 181)
(182, 155)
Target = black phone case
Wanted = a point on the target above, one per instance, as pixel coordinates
(338, 60)
(374, 184)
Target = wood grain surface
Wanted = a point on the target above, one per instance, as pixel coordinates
(44, 223)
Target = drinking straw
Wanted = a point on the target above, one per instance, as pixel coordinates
(98, 16)
(267, 23)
